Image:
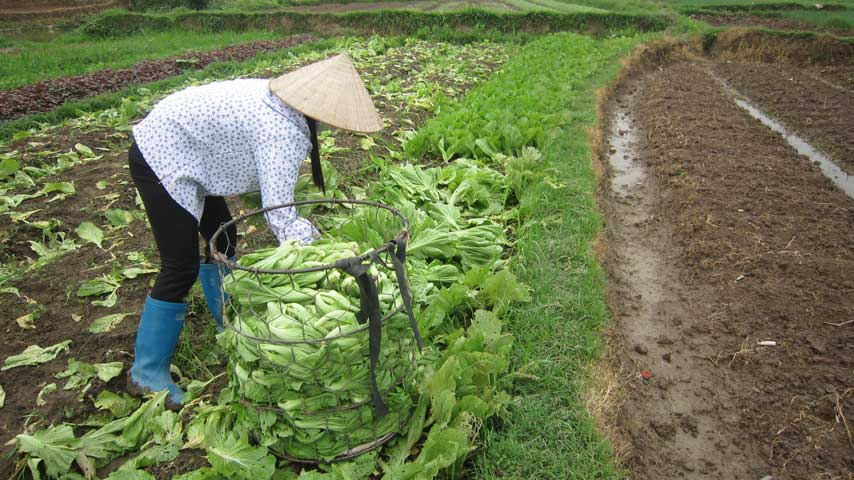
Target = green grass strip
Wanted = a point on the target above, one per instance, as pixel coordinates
(550, 434)
(545, 96)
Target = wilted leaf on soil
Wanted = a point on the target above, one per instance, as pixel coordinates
(35, 355)
(52, 445)
(97, 286)
(153, 455)
(91, 233)
(133, 272)
(130, 475)
(108, 371)
(120, 405)
(27, 321)
(46, 390)
(102, 184)
(108, 302)
(80, 374)
(11, 290)
(86, 151)
(8, 167)
(234, 458)
(61, 187)
(118, 217)
(367, 143)
(86, 464)
(107, 322)
(2, 396)
(205, 473)
(22, 216)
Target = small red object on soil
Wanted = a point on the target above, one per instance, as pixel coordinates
(646, 374)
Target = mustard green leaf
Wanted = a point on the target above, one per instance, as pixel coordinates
(54, 446)
(91, 233)
(35, 355)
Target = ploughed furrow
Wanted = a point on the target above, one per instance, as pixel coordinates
(732, 265)
(821, 110)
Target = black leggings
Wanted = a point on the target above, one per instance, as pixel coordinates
(176, 231)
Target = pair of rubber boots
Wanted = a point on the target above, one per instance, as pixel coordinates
(157, 336)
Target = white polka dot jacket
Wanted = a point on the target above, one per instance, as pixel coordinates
(227, 138)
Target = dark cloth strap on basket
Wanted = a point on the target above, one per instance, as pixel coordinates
(399, 260)
(316, 168)
(370, 310)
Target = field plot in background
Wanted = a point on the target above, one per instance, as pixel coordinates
(420, 5)
(501, 6)
(834, 17)
(72, 54)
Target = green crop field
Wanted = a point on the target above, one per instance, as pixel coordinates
(491, 146)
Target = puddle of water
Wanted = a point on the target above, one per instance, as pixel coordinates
(627, 172)
(832, 171)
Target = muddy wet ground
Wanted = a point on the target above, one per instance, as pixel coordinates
(731, 241)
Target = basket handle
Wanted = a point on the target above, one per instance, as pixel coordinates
(370, 312)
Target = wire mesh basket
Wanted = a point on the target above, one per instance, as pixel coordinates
(323, 336)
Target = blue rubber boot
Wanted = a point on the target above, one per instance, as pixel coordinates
(211, 282)
(156, 338)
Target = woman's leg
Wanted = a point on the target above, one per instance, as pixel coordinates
(176, 234)
(210, 275)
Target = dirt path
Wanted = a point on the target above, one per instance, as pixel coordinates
(729, 239)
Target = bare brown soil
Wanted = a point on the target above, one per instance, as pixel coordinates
(731, 239)
(773, 23)
(819, 109)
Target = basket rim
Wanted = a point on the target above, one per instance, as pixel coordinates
(222, 258)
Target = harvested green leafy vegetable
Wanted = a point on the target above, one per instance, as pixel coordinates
(35, 355)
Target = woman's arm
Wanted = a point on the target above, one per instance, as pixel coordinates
(278, 168)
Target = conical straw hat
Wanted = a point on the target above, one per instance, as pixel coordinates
(331, 92)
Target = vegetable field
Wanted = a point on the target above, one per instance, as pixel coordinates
(626, 253)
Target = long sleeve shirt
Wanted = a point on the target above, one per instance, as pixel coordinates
(227, 138)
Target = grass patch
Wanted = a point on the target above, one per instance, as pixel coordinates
(558, 333)
(842, 19)
(549, 89)
(75, 53)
